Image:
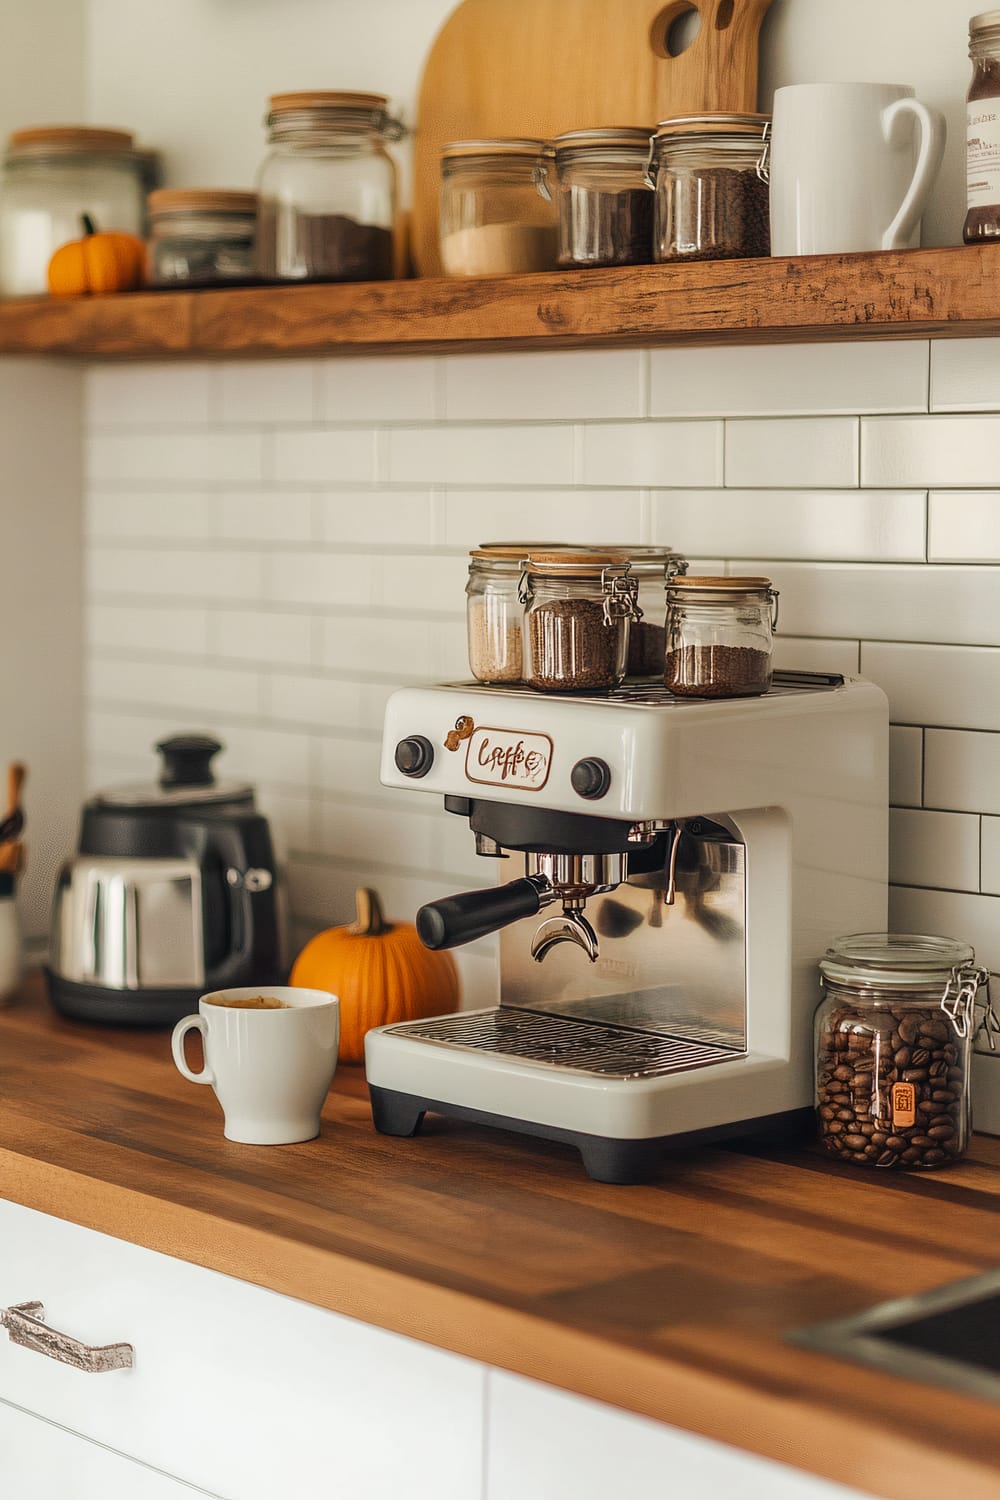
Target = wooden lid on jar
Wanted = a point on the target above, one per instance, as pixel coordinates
(636, 137)
(201, 201)
(514, 549)
(501, 146)
(735, 585)
(81, 138)
(279, 104)
(713, 124)
(566, 562)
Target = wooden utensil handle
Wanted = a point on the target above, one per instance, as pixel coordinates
(16, 773)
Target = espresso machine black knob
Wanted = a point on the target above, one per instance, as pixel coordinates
(414, 755)
(591, 778)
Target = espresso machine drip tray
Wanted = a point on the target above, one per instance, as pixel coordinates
(584, 1046)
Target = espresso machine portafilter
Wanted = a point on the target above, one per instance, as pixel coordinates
(685, 864)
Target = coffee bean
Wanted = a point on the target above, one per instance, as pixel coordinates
(909, 1029)
(855, 1142)
(843, 1073)
(920, 1057)
(903, 1057)
(941, 1132)
(914, 1075)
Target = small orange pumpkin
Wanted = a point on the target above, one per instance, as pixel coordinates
(381, 971)
(109, 262)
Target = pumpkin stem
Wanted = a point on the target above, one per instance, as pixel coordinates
(371, 919)
(89, 227)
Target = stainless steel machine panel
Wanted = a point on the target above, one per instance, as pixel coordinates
(127, 924)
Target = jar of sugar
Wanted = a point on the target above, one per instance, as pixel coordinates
(494, 221)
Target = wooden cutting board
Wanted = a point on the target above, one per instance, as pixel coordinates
(539, 67)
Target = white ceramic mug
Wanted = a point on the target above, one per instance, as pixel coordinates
(270, 1069)
(847, 172)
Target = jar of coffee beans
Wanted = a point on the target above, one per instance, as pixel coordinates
(710, 173)
(579, 607)
(605, 200)
(893, 1039)
(719, 636)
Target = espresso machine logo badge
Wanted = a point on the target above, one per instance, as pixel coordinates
(504, 757)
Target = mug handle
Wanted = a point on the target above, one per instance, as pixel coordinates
(933, 133)
(190, 1023)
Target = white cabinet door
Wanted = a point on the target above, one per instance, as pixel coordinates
(544, 1444)
(246, 1393)
(39, 1461)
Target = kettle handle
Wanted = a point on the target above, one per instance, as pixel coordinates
(247, 864)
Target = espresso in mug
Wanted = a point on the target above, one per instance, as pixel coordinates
(253, 1002)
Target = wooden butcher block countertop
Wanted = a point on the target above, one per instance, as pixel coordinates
(669, 1300)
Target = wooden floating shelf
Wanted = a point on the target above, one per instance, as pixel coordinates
(953, 292)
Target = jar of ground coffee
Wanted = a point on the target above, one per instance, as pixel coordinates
(719, 636)
(495, 221)
(711, 178)
(983, 142)
(200, 237)
(893, 1043)
(605, 200)
(579, 607)
(327, 190)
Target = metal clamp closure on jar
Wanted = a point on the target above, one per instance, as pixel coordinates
(618, 583)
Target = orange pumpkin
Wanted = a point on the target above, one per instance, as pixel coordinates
(381, 971)
(111, 262)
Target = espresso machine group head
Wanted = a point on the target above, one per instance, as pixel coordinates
(686, 863)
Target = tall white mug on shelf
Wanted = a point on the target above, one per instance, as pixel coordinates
(270, 1055)
(852, 167)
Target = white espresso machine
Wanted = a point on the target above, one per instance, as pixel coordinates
(686, 863)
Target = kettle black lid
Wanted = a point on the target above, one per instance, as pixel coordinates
(186, 781)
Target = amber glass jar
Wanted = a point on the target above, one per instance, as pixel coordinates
(326, 191)
(710, 173)
(579, 607)
(893, 1042)
(983, 141)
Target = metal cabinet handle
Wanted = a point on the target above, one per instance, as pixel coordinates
(25, 1322)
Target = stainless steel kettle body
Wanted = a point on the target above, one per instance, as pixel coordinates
(174, 893)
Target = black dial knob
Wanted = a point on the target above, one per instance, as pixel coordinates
(414, 755)
(591, 778)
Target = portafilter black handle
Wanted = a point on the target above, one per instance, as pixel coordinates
(461, 919)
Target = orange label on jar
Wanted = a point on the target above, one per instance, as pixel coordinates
(904, 1104)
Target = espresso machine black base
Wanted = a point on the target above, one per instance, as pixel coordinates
(604, 1159)
(91, 1002)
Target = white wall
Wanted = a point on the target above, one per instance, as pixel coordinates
(41, 80)
(272, 548)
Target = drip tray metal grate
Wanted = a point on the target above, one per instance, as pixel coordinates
(583, 1046)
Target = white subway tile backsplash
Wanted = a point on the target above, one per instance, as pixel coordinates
(802, 379)
(265, 391)
(990, 869)
(268, 516)
(380, 645)
(378, 390)
(349, 767)
(120, 515)
(260, 635)
(933, 451)
(174, 631)
(543, 387)
(798, 654)
(806, 452)
(480, 455)
(155, 457)
(328, 580)
(965, 375)
(322, 456)
(652, 454)
(938, 685)
(385, 519)
(851, 526)
(904, 603)
(266, 755)
(475, 516)
(163, 573)
(425, 582)
(127, 395)
(320, 702)
(963, 526)
(934, 849)
(906, 766)
(974, 919)
(183, 689)
(962, 770)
